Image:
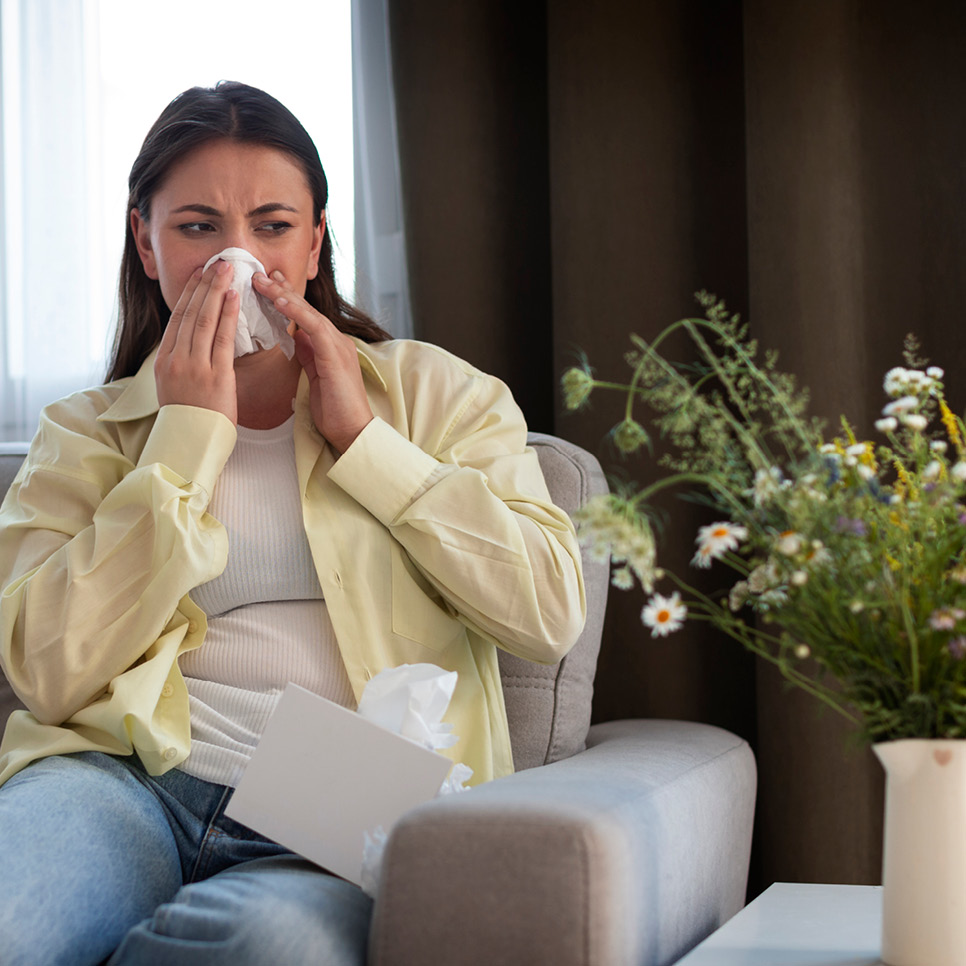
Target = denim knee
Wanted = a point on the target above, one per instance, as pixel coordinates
(84, 855)
(261, 913)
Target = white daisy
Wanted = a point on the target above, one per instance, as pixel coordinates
(715, 540)
(664, 614)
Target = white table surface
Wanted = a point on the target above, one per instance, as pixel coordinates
(799, 924)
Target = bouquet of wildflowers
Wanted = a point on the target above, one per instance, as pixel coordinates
(842, 560)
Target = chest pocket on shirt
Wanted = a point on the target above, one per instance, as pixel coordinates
(418, 612)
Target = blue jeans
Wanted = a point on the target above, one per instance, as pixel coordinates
(100, 862)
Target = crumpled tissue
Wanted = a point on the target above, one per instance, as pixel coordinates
(410, 700)
(260, 324)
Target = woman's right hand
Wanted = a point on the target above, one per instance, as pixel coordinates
(195, 365)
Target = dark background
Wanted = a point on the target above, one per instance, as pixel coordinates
(574, 171)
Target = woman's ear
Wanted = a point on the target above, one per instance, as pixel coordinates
(142, 239)
(312, 268)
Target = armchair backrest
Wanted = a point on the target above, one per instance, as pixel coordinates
(548, 705)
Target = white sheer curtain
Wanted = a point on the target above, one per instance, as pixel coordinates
(382, 281)
(82, 80)
(48, 277)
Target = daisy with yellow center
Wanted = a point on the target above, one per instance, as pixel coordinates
(715, 540)
(663, 615)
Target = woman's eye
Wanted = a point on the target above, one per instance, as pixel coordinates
(275, 227)
(196, 227)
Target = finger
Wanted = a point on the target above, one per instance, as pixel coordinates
(171, 330)
(206, 322)
(189, 306)
(290, 303)
(305, 353)
(223, 347)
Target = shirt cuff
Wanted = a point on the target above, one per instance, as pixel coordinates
(383, 471)
(193, 442)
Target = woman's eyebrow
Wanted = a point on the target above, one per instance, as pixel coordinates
(265, 209)
(197, 209)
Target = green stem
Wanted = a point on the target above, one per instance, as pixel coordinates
(668, 481)
(760, 643)
(752, 368)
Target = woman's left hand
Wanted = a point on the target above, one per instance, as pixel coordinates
(340, 407)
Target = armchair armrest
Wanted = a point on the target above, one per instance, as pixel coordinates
(630, 852)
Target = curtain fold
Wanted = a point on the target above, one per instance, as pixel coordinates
(471, 102)
(382, 276)
(573, 172)
(45, 201)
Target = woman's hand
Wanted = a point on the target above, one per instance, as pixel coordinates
(340, 407)
(195, 365)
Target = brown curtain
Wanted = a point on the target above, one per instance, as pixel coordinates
(574, 171)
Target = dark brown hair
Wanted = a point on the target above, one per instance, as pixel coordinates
(235, 112)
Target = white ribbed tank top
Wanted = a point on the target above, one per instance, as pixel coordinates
(267, 621)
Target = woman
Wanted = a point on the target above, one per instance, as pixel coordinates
(186, 539)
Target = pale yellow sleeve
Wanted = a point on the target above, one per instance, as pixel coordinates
(476, 518)
(97, 551)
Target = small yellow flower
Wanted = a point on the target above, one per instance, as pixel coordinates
(952, 428)
(903, 475)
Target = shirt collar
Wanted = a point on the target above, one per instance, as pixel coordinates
(139, 397)
(367, 363)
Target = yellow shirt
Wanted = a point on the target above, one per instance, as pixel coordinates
(433, 536)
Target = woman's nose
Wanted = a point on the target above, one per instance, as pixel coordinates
(237, 239)
(235, 234)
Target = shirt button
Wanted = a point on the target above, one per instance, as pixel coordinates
(192, 627)
(169, 753)
(167, 691)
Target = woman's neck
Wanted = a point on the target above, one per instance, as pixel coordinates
(266, 383)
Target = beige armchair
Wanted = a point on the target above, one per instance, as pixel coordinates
(623, 843)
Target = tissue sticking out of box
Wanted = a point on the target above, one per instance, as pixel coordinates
(410, 700)
(260, 324)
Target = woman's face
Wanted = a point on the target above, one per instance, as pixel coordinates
(225, 194)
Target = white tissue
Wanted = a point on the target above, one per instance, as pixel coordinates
(260, 324)
(372, 853)
(410, 700)
(456, 781)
